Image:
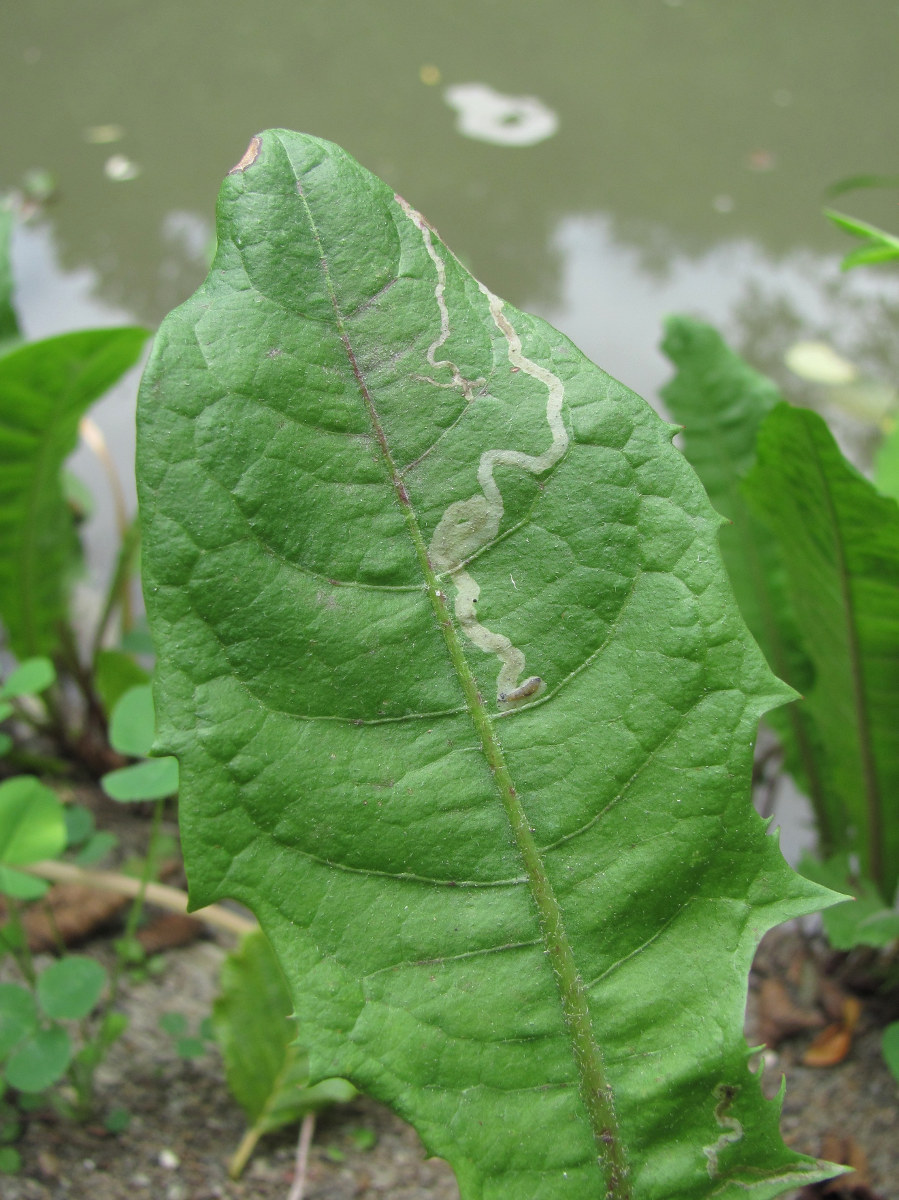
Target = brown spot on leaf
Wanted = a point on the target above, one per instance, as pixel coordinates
(249, 157)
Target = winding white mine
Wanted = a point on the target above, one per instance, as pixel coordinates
(469, 525)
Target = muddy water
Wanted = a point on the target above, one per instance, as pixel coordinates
(602, 162)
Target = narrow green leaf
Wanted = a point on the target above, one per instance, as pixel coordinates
(463, 703)
(722, 402)
(132, 726)
(852, 183)
(155, 779)
(861, 229)
(840, 543)
(886, 464)
(882, 245)
(45, 388)
(29, 678)
(9, 324)
(71, 988)
(32, 823)
(39, 1060)
(870, 255)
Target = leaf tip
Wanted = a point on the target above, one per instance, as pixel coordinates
(249, 155)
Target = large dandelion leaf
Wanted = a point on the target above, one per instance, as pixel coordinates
(462, 700)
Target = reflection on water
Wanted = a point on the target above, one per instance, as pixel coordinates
(489, 116)
(613, 298)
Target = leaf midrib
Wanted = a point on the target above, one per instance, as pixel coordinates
(596, 1093)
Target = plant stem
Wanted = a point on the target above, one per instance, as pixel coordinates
(117, 593)
(298, 1187)
(160, 894)
(19, 944)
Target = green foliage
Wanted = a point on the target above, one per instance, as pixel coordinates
(115, 673)
(45, 388)
(463, 704)
(71, 988)
(267, 1071)
(890, 1046)
(840, 545)
(886, 467)
(32, 827)
(187, 1045)
(813, 554)
(866, 920)
(9, 324)
(879, 246)
(132, 731)
(31, 677)
(35, 1051)
(722, 403)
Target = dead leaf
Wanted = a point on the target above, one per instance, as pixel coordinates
(780, 1016)
(843, 1149)
(69, 914)
(170, 931)
(829, 1048)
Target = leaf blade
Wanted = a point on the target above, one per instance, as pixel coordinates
(45, 387)
(340, 719)
(840, 542)
(722, 403)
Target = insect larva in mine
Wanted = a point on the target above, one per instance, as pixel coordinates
(528, 688)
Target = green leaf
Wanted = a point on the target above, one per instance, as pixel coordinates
(29, 678)
(21, 886)
(881, 247)
(886, 464)
(866, 920)
(152, 780)
(173, 1023)
(840, 544)
(18, 1015)
(10, 1160)
(32, 822)
(132, 726)
(891, 1048)
(6, 743)
(9, 324)
(115, 673)
(96, 848)
(45, 388)
(80, 824)
(463, 703)
(71, 988)
(39, 1060)
(722, 403)
(117, 1120)
(267, 1072)
(138, 640)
